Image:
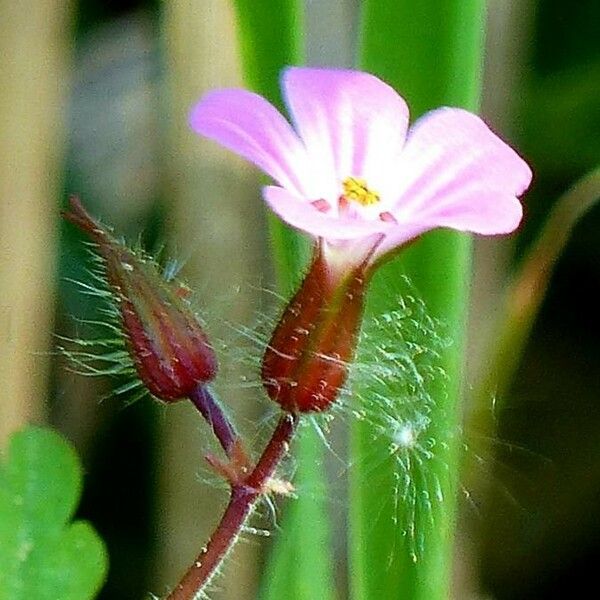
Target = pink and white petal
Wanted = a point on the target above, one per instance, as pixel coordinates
(302, 215)
(248, 125)
(478, 212)
(451, 158)
(351, 122)
(475, 212)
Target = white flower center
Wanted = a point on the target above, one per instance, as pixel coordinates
(357, 201)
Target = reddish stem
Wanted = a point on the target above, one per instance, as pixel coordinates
(205, 401)
(243, 498)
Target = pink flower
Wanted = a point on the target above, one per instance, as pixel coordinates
(353, 174)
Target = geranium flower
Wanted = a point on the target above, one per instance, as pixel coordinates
(353, 174)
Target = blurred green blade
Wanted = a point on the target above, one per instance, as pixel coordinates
(401, 543)
(527, 290)
(43, 555)
(300, 566)
(271, 35)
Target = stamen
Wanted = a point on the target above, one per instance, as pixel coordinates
(356, 189)
(321, 205)
(388, 217)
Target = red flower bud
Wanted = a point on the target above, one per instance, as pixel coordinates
(306, 361)
(170, 351)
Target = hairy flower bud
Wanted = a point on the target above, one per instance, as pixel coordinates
(306, 361)
(170, 351)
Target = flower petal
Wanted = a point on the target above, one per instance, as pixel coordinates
(302, 215)
(352, 123)
(488, 216)
(251, 127)
(455, 172)
(476, 212)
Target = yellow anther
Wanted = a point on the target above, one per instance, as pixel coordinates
(357, 190)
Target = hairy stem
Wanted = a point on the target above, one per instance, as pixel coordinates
(244, 496)
(207, 403)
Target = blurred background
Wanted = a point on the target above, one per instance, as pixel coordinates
(93, 100)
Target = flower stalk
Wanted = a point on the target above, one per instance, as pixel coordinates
(204, 400)
(244, 495)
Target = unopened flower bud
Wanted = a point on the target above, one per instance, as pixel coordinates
(170, 350)
(306, 362)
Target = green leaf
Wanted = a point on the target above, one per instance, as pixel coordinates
(43, 555)
(300, 567)
(430, 51)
